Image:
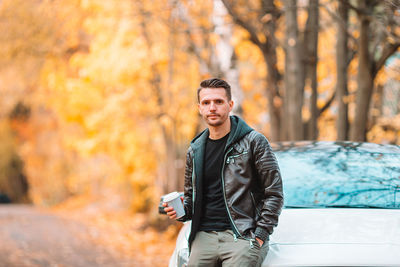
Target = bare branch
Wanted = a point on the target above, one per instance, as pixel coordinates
(340, 22)
(388, 50)
(192, 44)
(356, 9)
(352, 54)
(327, 104)
(244, 24)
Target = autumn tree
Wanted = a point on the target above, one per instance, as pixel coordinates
(33, 32)
(261, 20)
(378, 40)
(191, 32)
(293, 74)
(342, 59)
(111, 85)
(310, 61)
(211, 43)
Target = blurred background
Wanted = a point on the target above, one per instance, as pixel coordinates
(98, 98)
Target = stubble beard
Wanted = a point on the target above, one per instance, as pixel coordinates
(221, 120)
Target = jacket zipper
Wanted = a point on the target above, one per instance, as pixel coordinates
(235, 229)
(194, 186)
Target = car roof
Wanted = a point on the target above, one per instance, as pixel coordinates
(334, 146)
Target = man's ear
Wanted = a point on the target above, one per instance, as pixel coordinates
(231, 104)
(198, 107)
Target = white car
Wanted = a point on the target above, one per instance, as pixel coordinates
(342, 206)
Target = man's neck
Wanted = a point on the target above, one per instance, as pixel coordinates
(217, 132)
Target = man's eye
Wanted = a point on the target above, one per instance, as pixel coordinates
(206, 103)
(219, 101)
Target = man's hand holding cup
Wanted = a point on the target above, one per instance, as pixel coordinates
(173, 205)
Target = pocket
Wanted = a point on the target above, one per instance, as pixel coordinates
(232, 158)
(254, 244)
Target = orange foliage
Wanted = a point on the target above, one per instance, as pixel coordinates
(111, 86)
(112, 89)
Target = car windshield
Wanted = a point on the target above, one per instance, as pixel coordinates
(340, 179)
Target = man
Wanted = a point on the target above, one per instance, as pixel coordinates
(233, 188)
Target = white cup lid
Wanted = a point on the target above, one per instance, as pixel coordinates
(170, 196)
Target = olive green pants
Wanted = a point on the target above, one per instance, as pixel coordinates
(221, 249)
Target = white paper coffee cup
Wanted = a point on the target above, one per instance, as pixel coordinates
(173, 200)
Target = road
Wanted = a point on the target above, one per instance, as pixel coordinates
(31, 237)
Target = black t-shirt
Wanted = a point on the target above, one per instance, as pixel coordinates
(214, 215)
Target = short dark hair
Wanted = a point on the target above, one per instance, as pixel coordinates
(215, 83)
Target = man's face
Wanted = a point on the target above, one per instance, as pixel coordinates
(214, 106)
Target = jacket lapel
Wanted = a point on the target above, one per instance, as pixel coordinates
(198, 153)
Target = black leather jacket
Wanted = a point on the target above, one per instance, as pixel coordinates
(251, 182)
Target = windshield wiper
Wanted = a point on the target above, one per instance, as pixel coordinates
(300, 207)
(357, 206)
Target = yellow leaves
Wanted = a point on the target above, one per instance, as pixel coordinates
(397, 29)
(96, 6)
(280, 54)
(246, 51)
(254, 109)
(392, 69)
(378, 135)
(348, 99)
(104, 101)
(165, 121)
(302, 18)
(266, 18)
(326, 68)
(327, 128)
(262, 37)
(320, 103)
(87, 147)
(83, 98)
(306, 114)
(278, 102)
(257, 97)
(381, 77)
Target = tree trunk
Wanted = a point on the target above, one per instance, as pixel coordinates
(272, 83)
(311, 51)
(342, 123)
(285, 110)
(364, 79)
(171, 182)
(376, 105)
(273, 77)
(293, 87)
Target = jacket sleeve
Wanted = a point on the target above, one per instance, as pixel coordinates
(188, 188)
(272, 194)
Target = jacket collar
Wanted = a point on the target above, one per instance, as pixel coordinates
(239, 129)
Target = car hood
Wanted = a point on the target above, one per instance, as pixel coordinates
(336, 237)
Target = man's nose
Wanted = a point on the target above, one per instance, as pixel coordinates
(212, 106)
